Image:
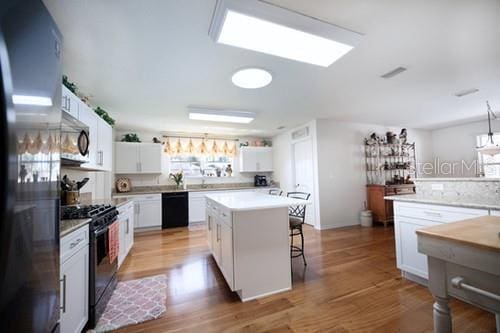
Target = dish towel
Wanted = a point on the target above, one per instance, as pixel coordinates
(113, 243)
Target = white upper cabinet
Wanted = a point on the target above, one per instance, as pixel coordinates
(256, 159)
(105, 146)
(100, 132)
(133, 158)
(70, 102)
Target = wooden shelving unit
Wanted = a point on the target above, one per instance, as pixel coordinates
(389, 170)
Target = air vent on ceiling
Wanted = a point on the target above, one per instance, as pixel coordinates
(466, 92)
(394, 72)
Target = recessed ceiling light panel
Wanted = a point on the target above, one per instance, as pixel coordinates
(262, 27)
(218, 115)
(251, 78)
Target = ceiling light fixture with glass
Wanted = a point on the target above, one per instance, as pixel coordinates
(252, 78)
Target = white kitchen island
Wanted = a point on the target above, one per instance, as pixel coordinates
(248, 235)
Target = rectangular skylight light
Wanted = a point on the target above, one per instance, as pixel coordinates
(262, 27)
(225, 116)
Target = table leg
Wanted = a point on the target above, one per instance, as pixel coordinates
(442, 315)
(437, 286)
(497, 317)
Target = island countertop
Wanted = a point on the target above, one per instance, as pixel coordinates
(493, 203)
(239, 201)
(482, 232)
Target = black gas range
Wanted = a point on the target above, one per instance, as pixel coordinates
(102, 272)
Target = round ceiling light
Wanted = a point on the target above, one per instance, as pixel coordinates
(251, 78)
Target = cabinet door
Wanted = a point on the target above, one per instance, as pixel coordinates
(105, 145)
(126, 158)
(248, 160)
(70, 102)
(226, 254)
(150, 158)
(91, 119)
(210, 231)
(216, 243)
(265, 159)
(407, 256)
(74, 292)
(149, 213)
(197, 209)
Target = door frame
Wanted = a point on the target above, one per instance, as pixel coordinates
(313, 191)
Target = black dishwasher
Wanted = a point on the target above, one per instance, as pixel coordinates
(175, 209)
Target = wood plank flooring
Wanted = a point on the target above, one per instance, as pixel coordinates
(350, 284)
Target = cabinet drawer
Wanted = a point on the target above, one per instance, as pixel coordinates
(226, 217)
(70, 244)
(127, 208)
(443, 214)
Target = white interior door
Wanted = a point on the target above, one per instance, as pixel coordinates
(303, 174)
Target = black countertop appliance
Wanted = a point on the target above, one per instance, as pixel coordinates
(260, 180)
(175, 209)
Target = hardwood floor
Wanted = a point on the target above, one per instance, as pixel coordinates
(350, 284)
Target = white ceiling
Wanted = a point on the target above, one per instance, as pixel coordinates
(146, 61)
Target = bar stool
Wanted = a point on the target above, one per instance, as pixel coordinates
(297, 216)
(276, 191)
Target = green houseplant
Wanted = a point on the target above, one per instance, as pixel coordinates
(68, 84)
(130, 137)
(178, 177)
(104, 115)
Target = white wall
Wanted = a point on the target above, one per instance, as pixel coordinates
(99, 185)
(456, 143)
(163, 179)
(340, 174)
(341, 167)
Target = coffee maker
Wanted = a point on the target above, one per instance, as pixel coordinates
(260, 180)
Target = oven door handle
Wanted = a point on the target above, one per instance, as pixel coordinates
(99, 232)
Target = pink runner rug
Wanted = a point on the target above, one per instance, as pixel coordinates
(134, 302)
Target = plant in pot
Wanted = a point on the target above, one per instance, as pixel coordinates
(178, 178)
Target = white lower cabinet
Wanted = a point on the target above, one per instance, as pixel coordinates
(74, 275)
(148, 211)
(495, 212)
(409, 217)
(126, 226)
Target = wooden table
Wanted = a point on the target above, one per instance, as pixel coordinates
(464, 262)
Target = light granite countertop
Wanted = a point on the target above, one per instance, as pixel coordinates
(68, 226)
(450, 179)
(448, 201)
(164, 189)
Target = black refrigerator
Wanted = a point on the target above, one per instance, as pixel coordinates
(30, 109)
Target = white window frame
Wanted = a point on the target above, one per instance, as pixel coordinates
(481, 141)
(204, 162)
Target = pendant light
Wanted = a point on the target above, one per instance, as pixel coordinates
(190, 147)
(168, 148)
(490, 148)
(178, 147)
(215, 149)
(203, 147)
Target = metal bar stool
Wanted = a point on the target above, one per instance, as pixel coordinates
(297, 215)
(276, 191)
